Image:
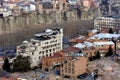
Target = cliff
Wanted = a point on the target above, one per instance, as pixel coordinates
(11, 23)
(14, 30)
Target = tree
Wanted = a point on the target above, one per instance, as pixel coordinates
(79, 12)
(110, 31)
(80, 51)
(64, 16)
(21, 64)
(6, 65)
(91, 58)
(110, 52)
(97, 55)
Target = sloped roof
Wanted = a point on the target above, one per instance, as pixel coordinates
(71, 49)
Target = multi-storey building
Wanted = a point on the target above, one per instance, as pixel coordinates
(74, 67)
(52, 61)
(106, 22)
(58, 58)
(96, 41)
(42, 45)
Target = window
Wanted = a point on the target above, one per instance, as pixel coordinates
(72, 71)
(46, 55)
(34, 43)
(40, 52)
(46, 42)
(43, 47)
(46, 64)
(72, 64)
(50, 50)
(69, 70)
(39, 57)
(86, 53)
(32, 53)
(51, 41)
(50, 54)
(46, 51)
(69, 64)
(65, 69)
(55, 40)
(53, 49)
(43, 52)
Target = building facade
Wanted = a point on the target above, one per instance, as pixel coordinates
(75, 67)
(106, 22)
(96, 41)
(42, 45)
(58, 58)
(50, 62)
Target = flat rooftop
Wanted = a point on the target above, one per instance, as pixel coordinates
(47, 34)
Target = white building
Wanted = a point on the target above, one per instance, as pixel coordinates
(72, 2)
(42, 45)
(103, 36)
(4, 12)
(106, 22)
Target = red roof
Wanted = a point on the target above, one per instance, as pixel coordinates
(55, 55)
(106, 30)
(79, 41)
(71, 49)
